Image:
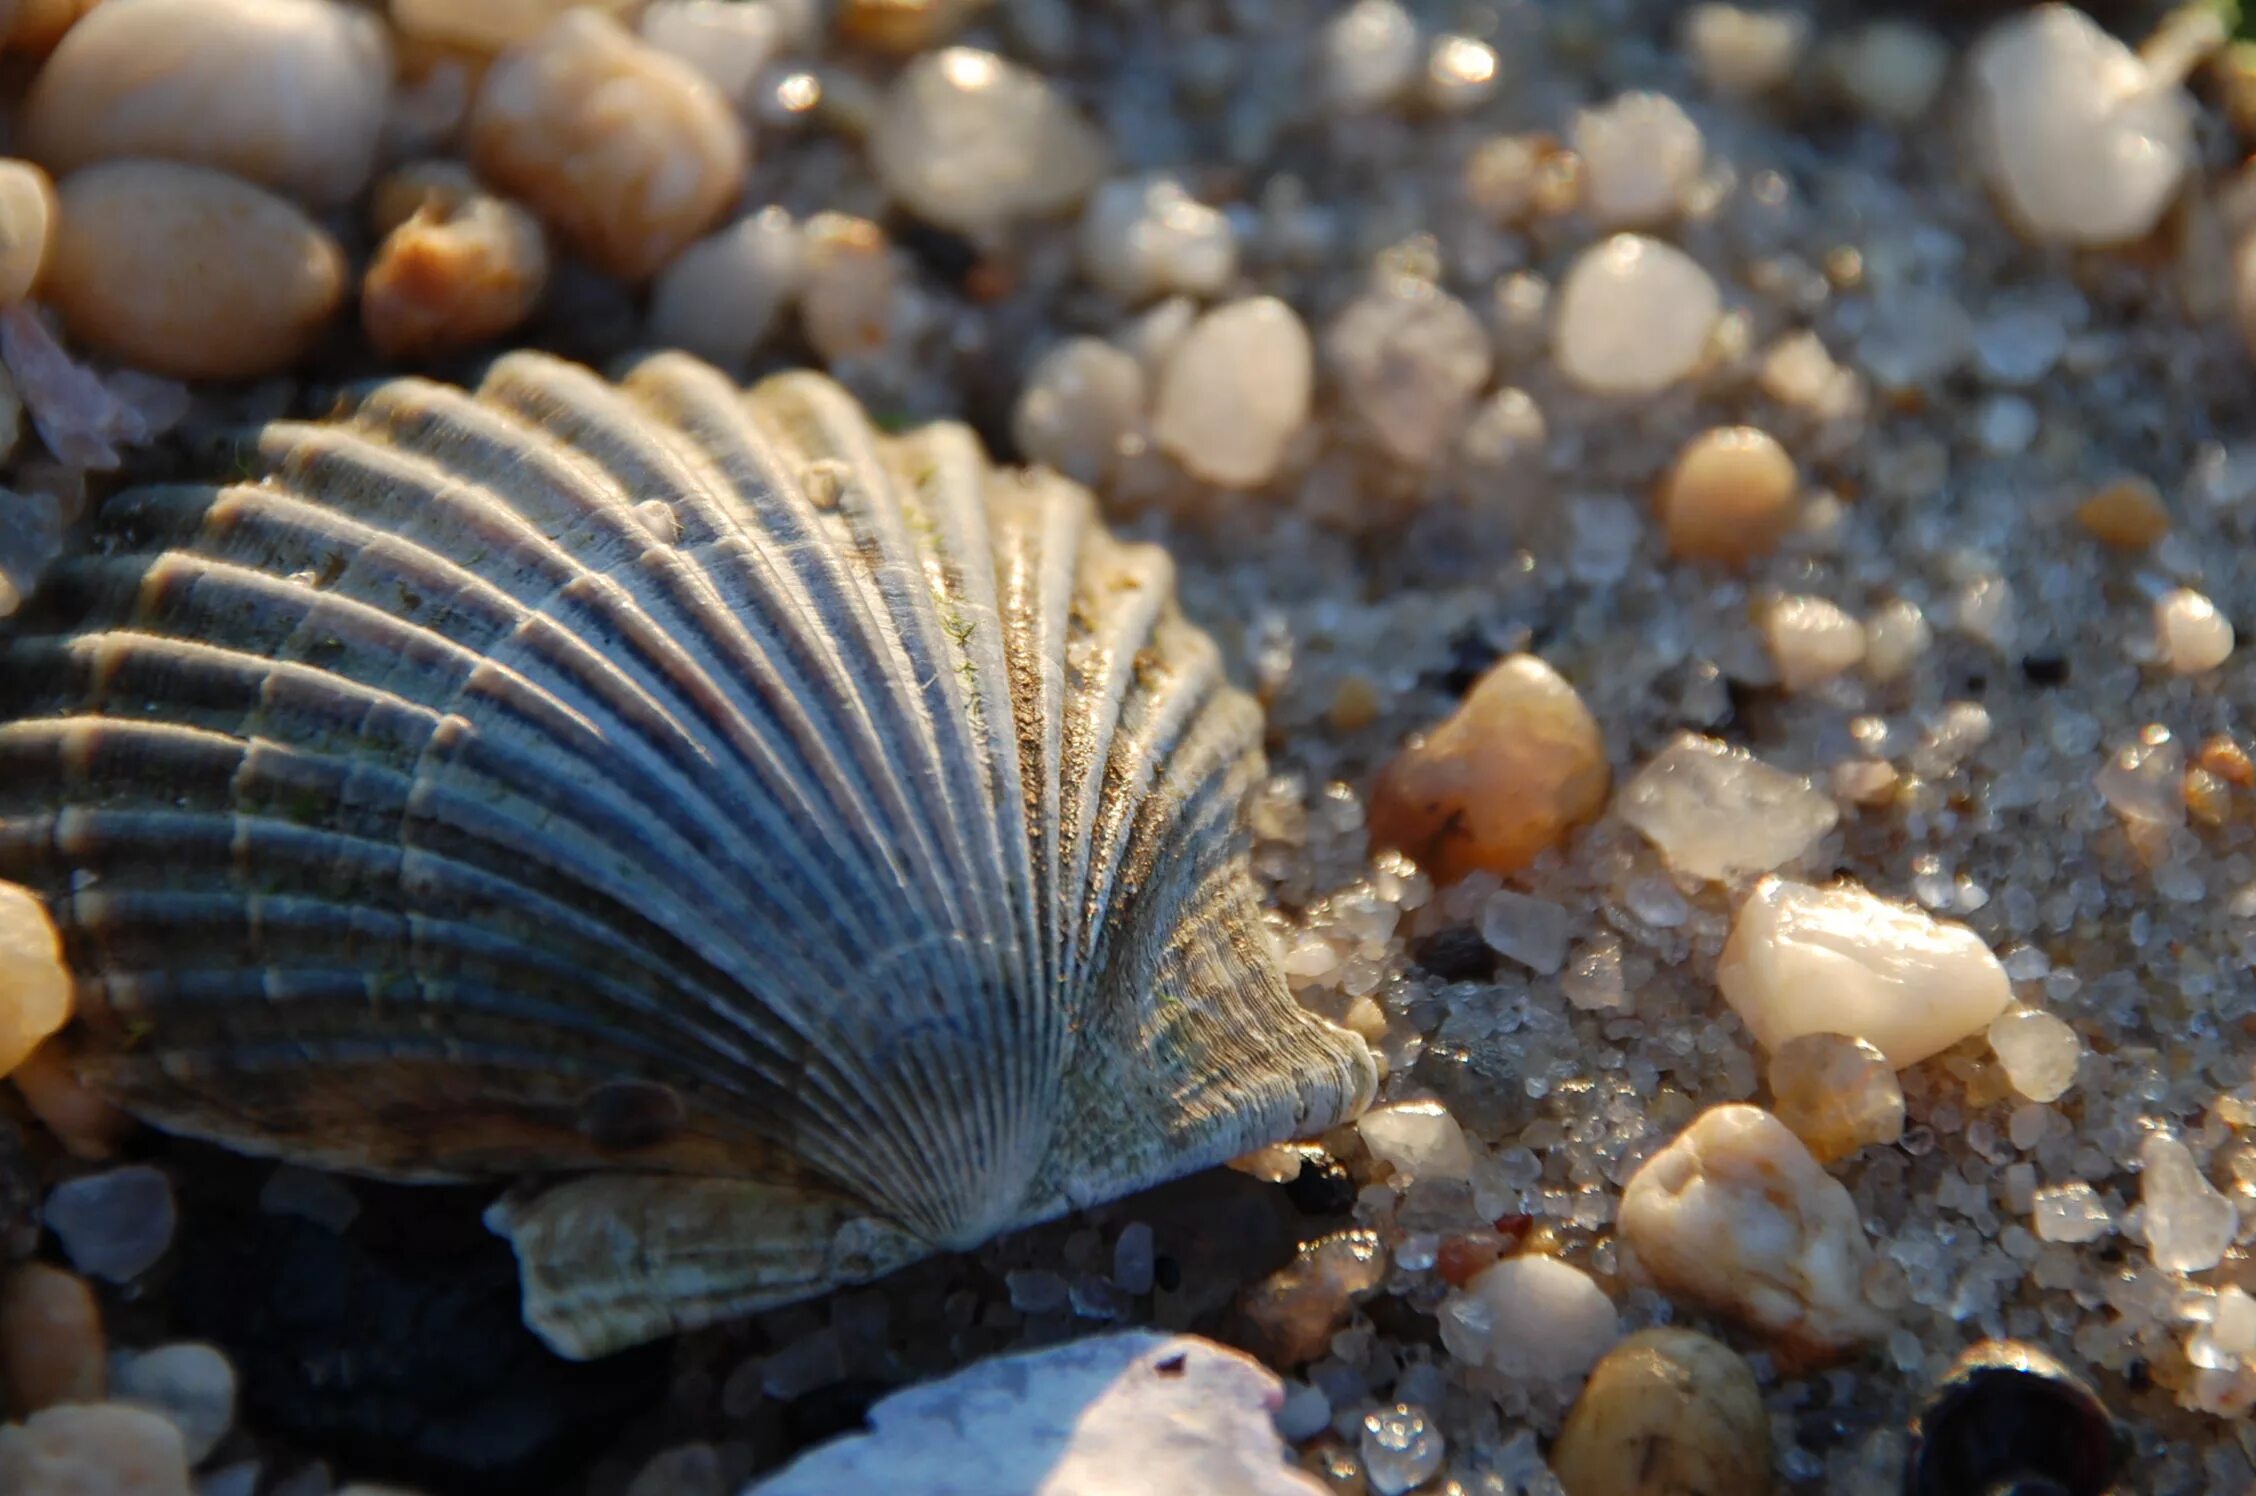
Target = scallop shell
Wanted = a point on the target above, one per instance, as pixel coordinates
(814, 848)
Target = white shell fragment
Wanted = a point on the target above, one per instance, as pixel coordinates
(2082, 141)
(831, 843)
(1840, 960)
(1718, 812)
(1133, 1414)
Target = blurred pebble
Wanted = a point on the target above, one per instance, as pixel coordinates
(903, 27)
(463, 268)
(87, 1123)
(729, 41)
(2194, 637)
(1517, 767)
(1633, 316)
(1729, 497)
(51, 1345)
(970, 141)
(847, 296)
(686, 1470)
(1741, 52)
(104, 1449)
(1234, 392)
(489, 25)
(1145, 236)
(36, 988)
(1811, 640)
(1837, 1093)
(186, 271)
(188, 1382)
(27, 228)
(2128, 514)
(115, 1225)
(1668, 1412)
(309, 1194)
(1290, 1315)
(32, 28)
(1532, 1317)
(720, 298)
(1641, 154)
(1082, 401)
(1409, 358)
(286, 93)
(628, 152)
(1891, 70)
(1369, 55)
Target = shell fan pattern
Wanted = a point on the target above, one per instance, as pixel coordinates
(798, 848)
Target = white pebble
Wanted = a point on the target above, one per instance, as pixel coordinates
(35, 986)
(2040, 1052)
(2187, 1223)
(1633, 316)
(1718, 812)
(720, 297)
(2072, 1212)
(1145, 236)
(1811, 640)
(1841, 960)
(1740, 52)
(1895, 636)
(27, 228)
(1532, 932)
(93, 1449)
(1735, 1215)
(1462, 73)
(1640, 155)
(1409, 358)
(114, 1225)
(1417, 1138)
(1532, 1317)
(2193, 635)
(969, 141)
(729, 41)
(2081, 141)
(1083, 402)
(1235, 391)
(286, 93)
(1370, 55)
(188, 1382)
(1892, 70)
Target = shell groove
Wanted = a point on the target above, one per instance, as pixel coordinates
(657, 779)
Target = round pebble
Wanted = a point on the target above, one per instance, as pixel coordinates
(185, 271)
(1640, 155)
(1369, 55)
(1533, 1317)
(972, 142)
(105, 1449)
(1668, 1412)
(1083, 400)
(87, 1123)
(1837, 1093)
(1892, 70)
(35, 986)
(2040, 1052)
(1811, 640)
(1517, 767)
(1234, 391)
(721, 298)
(2193, 635)
(1633, 317)
(188, 1382)
(27, 229)
(1409, 358)
(286, 93)
(464, 268)
(1729, 497)
(1741, 52)
(51, 1345)
(115, 1225)
(628, 152)
(1145, 236)
(849, 287)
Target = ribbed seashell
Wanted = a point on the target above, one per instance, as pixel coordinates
(816, 847)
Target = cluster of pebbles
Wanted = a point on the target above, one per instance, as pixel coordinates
(1738, 516)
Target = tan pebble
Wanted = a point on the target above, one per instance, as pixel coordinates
(846, 299)
(286, 93)
(35, 985)
(1730, 496)
(2128, 514)
(628, 152)
(1292, 1314)
(1811, 640)
(33, 28)
(2208, 798)
(186, 271)
(83, 1120)
(1667, 1413)
(1518, 766)
(454, 275)
(902, 27)
(1838, 1094)
(51, 1346)
(488, 25)
(100, 1449)
(2226, 759)
(1355, 704)
(27, 228)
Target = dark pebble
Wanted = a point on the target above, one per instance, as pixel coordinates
(2010, 1418)
(1321, 1188)
(1456, 953)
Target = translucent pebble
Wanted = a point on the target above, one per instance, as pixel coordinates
(1656, 901)
(1296, 1310)
(2186, 1222)
(1811, 640)
(114, 1225)
(99, 1449)
(1729, 497)
(970, 141)
(1915, 337)
(1715, 811)
(1401, 1448)
(1895, 636)
(2072, 1212)
(1369, 55)
(1740, 52)
(1417, 1138)
(1593, 981)
(1836, 1093)
(1892, 70)
(1305, 1412)
(1532, 932)
(1633, 316)
(1985, 609)
(1532, 1317)
(2144, 784)
(286, 93)
(2020, 346)
(1409, 359)
(188, 1382)
(27, 228)
(1641, 154)
(848, 295)
(729, 41)
(1145, 236)
(1462, 73)
(2040, 1052)
(1235, 391)
(720, 297)
(1080, 405)
(36, 988)
(2193, 635)
(2228, 1337)
(2080, 140)
(1134, 1258)
(1839, 959)
(627, 151)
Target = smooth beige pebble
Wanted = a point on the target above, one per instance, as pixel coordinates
(186, 271)
(27, 228)
(1667, 1413)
